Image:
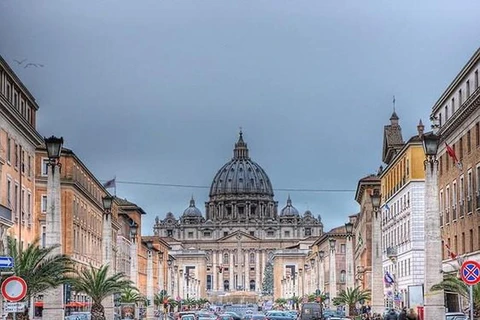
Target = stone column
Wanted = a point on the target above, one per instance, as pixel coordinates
(434, 300)
(247, 271)
(53, 298)
(107, 260)
(150, 312)
(376, 284)
(231, 280)
(321, 275)
(215, 271)
(333, 275)
(258, 282)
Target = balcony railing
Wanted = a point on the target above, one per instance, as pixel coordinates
(392, 252)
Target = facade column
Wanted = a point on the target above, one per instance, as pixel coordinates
(246, 271)
(134, 260)
(321, 273)
(258, 285)
(176, 281)
(231, 281)
(349, 259)
(53, 298)
(150, 313)
(434, 300)
(181, 283)
(215, 271)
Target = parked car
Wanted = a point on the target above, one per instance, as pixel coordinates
(455, 316)
(311, 311)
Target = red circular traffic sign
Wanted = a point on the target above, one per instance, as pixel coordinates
(14, 288)
(470, 272)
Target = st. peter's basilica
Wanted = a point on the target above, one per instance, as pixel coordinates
(227, 249)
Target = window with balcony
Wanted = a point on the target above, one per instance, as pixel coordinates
(454, 201)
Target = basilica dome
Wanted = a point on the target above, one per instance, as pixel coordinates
(192, 211)
(241, 175)
(289, 209)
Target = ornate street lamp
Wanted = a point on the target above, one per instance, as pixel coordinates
(434, 300)
(332, 242)
(53, 298)
(377, 297)
(107, 204)
(321, 254)
(349, 228)
(350, 282)
(133, 230)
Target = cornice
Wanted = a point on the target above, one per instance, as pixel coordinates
(17, 120)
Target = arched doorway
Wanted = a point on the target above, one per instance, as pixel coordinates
(252, 285)
(226, 285)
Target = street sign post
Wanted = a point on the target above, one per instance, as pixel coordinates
(14, 307)
(6, 262)
(14, 289)
(470, 273)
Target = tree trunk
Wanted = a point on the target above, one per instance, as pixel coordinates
(97, 311)
(351, 310)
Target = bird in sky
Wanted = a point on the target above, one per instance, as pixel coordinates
(36, 65)
(19, 62)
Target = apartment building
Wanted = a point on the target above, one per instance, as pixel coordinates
(18, 140)
(457, 116)
(403, 210)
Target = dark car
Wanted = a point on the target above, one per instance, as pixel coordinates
(311, 311)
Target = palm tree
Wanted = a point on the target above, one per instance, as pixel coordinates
(98, 284)
(314, 297)
(130, 295)
(350, 297)
(453, 284)
(39, 267)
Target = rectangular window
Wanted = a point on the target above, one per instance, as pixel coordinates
(454, 201)
(476, 79)
(22, 107)
(460, 98)
(446, 112)
(342, 248)
(206, 234)
(9, 149)
(30, 166)
(44, 203)
(287, 234)
(44, 167)
(9, 193)
(22, 161)
(271, 233)
(16, 155)
(44, 236)
(225, 233)
(15, 203)
(471, 241)
(439, 119)
(463, 242)
(252, 233)
(15, 99)
(460, 149)
(469, 142)
(190, 235)
(468, 88)
(9, 92)
(453, 108)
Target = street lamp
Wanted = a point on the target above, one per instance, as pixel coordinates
(333, 272)
(107, 202)
(53, 298)
(349, 255)
(149, 244)
(434, 300)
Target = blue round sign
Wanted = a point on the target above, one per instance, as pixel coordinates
(470, 272)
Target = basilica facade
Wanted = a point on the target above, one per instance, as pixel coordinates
(227, 248)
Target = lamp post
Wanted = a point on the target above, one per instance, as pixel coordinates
(332, 272)
(349, 255)
(321, 272)
(376, 284)
(150, 313)
(434, 300)
(133, 253)
(170, 276)
(53, 298)
(107, 250)
(313, 276)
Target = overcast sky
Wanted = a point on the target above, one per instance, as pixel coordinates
(155, 91)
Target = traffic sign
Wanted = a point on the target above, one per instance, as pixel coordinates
(13, 307)
(14, 289)
(6, 262)
(470, 272)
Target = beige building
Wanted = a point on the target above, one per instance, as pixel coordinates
(457, 114)
(239, 233)
(18, 140)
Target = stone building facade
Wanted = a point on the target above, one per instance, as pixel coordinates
(240, 230)
(457, 115)
(18, 140)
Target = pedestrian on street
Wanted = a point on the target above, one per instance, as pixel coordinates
(391, 315)
(403, 314)
(412, 315)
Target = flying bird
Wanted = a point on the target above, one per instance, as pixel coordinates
(36, 65)
(19, 62)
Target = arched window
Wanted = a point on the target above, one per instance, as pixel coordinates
(252, 258)
(252, 285)
(226, 285)
(225, 258)
(343, 276)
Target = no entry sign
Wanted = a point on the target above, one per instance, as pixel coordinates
(14, 288)
(470, 272)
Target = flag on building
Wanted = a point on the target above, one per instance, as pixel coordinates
(450, 253)
(110, 184)
(388, 278)
(386, 206)
(452, 155)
